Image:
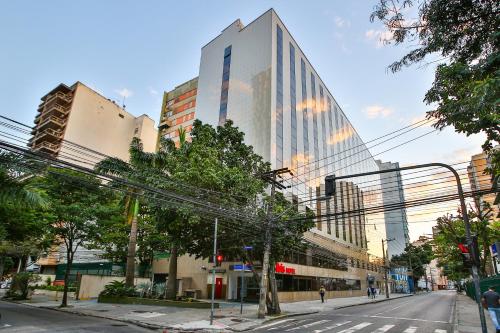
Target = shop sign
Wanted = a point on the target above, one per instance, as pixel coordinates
(281, 268)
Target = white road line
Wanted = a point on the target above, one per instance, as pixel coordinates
(397, 307)
(355, 328)
(414, 319)
(331, 327)
(289, 324)
(411, 329)
(275, 323)
(383, 329)
(308, 325)
(439, 331)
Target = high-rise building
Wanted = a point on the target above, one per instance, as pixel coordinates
(480, 180)
(396, 222)
(77, 124)
(178, 111)
(76, 116)
(258, 77)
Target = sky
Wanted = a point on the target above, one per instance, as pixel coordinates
(135, 50)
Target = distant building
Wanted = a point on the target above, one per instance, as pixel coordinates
(481, 181)
(178, 110)
(77, 124)
(396, 222)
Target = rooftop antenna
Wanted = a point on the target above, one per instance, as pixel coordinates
(123, 101)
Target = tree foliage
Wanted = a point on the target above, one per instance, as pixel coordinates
(419, 256)
(466, 35)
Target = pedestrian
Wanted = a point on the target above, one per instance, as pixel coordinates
(322, 292)
(373, 292)
(491, 302)
(368, 291)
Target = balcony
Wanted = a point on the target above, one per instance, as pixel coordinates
(49, 134)
(55, 110)
(51, 122)
(47, 147)
(165, 123)
(59, 98)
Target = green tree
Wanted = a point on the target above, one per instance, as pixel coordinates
(466, 35)
(77, 203)
(419, 256)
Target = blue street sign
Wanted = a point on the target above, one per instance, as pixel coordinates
(247, 247)
(239, 267)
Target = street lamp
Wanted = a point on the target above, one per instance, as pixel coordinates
(330, 190)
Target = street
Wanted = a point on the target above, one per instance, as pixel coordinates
(26, 319)
(426, 313)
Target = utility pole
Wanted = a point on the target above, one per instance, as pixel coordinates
(330, 186)
(271, 178)
(386, 267)
(412, 289)
(213, 275)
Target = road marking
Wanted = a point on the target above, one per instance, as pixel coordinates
(308, 325)
(276, 323)
(439, 331)
(289, 324)
(331, 327)
(355, 328)
(413, 319)
(411, 329)
(383, 329)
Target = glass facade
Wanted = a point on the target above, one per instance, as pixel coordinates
(330, 127)
(315, 124)
(225, 86)
(279, 98)
(293, 106)
(312, 283)
(324, 140)
(305, 119)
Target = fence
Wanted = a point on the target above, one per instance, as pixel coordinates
(492, 281)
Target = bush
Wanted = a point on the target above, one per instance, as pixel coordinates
(48, 281)
(117, 288)
(20, 286)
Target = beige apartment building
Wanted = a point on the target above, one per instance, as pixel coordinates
(78, 125)
(481, 181)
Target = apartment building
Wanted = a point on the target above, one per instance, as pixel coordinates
(78, 125)
(178, 111)
(396, 222)
(258, 76)
(481, 181)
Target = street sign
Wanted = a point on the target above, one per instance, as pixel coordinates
(247, 247)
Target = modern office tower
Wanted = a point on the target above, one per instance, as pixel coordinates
(481, 181)
(77, 124)
(258, 77)
(396, 223)
(178, 110)
(71, 117)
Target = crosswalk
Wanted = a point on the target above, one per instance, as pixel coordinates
(348, 326)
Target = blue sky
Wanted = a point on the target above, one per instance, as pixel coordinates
(141, 48)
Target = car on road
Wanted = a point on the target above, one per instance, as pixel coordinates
(5, 284)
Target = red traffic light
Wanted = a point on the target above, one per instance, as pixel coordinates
(463, 248)
(220, 258)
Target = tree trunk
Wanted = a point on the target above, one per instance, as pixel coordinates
(2, 265)
(69, 261)
(132, 244)
(171, 291)
(275, 304)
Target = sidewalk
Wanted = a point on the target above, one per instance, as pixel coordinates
(467, 316)
(227, 317)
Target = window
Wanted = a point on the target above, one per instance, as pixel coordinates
(330, 127)
(315, 124)
(225, 85)
(293, 105)
(323, 126)
(305, 119)
(279, 98)
(136, 130)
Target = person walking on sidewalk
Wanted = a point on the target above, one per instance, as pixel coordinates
(322, 292)
(491, 302)
(368, 290)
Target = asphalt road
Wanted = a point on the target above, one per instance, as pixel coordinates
(28, 319)
(427, 313)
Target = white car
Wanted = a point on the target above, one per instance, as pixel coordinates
(5, 284)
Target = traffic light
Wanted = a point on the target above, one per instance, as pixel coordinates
(219, 258)
(465, 254)
(330, 185)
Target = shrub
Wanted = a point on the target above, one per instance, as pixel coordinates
(20, 286)
(117, 288)
(48, 281)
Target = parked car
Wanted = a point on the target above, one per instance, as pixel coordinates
(5, 284)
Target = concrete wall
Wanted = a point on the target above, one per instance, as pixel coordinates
(92, 285)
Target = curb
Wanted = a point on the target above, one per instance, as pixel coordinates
(373, 302)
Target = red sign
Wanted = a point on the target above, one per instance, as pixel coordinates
(280, 268)
(463, 248)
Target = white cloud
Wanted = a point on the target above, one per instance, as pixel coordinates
(379, 37)
(341, 23)
(152, 91)
(377, 111)
(124, 92)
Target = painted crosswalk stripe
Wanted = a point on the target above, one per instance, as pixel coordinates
(439, 331)
(319, 322)
(331, 327)
(355, 328)
(383, 329)
(411, 329)
(288, 325)
(276, 323)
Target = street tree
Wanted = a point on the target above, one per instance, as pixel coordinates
(464, 36)
(418, 256)
(77, 203)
